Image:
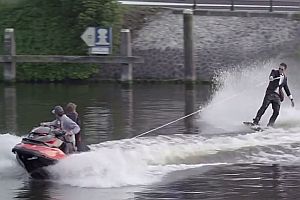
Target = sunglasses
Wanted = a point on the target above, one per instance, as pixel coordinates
(281, 68)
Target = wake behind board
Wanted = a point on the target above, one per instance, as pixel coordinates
(253, 126)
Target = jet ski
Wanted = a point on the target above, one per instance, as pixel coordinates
(42, 147)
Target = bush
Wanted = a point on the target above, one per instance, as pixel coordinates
(53, 27)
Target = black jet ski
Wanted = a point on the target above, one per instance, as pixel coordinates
(42, 147)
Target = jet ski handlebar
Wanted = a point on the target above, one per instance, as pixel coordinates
(48, 130)
(58, 133)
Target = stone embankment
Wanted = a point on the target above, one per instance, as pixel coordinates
(220, 43)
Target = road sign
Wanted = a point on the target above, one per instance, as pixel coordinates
(89, 36)
(98, 39)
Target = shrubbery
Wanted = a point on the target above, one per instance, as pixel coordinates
(53, 27)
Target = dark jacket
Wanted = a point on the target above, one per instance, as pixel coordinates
(74, 117)
(275, 87)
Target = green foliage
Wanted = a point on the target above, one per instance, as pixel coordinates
(53, 27)
(1, 74)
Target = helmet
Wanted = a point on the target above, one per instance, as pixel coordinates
(58, 110)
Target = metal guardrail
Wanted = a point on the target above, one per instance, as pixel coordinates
(270, 5)
(263, 5)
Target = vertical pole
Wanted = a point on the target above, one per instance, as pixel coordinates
(9, 50)
(126, 75)
(271, 6)
(194, 5)
(190, 71)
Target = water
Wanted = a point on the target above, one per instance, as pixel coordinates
(209, 156)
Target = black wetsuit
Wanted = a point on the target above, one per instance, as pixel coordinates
(274, 96)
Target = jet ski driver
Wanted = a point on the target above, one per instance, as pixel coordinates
(66, 124)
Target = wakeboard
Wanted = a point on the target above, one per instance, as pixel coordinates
(253, 126)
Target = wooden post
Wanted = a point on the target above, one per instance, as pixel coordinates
(9, 50)
(126, 75)
(190, 71)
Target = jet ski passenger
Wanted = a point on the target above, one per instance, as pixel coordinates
(66, 124)
(72, 114)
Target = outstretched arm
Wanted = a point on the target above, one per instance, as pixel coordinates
(54, 123)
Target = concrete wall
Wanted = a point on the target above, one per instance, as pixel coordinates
(220, 43)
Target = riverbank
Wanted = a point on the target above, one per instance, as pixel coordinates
(221, 43)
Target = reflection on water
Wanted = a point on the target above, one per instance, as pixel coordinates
(10, 108)
(107, 111)
(232, 182)
(190, 95)
(169, 166)
(228, 182)
(35, 190)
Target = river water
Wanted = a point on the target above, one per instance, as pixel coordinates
(210, 155)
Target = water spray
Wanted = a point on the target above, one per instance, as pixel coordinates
(193, 113)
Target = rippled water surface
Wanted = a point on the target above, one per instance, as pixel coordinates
(210, 155)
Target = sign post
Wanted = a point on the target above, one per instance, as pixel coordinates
(98, 39)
